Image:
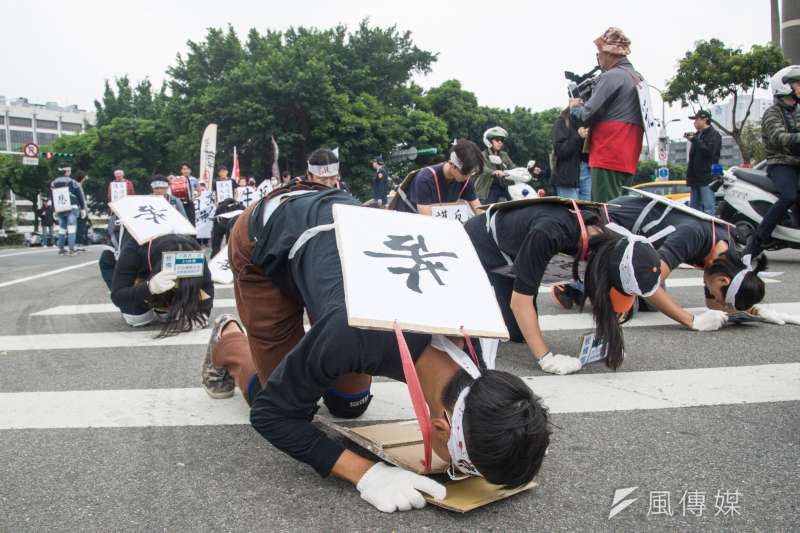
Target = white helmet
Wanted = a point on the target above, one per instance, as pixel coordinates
(779, 82)
(493, 133)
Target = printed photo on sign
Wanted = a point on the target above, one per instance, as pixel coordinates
(183, 264)
(61, 200)
(119, 189)
(424, 268)
(220, 268)
(458, 211)
(224, 189)
(146, 217)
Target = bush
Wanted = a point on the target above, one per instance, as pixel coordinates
(12, 239)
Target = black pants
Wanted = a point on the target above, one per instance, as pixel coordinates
(503, 287)
(217, 233)
(786, 178)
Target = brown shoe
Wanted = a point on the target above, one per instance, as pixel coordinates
(217, 381)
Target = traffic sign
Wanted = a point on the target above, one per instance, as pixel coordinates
(30, 150)
(32, 161)
(663, 173)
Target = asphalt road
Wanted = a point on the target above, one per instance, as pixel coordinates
(227, 478)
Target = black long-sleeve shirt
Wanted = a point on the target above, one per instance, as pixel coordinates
(131, 266)
(531, 236)
(283, 409)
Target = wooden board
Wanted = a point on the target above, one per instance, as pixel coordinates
(400, 444)
(146, 217)
(426, 268)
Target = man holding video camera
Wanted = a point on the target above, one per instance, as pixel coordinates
(613, 115)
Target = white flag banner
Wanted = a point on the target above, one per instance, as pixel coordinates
(204, 215)
(208, 154)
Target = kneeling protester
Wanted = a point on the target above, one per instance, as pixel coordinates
(287, 253)
(159, 272)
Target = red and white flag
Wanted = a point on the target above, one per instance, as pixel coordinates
(235, 172)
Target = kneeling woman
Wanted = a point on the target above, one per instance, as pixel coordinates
(731, 282)
(527, 237)
(505, 430)
(145, 294)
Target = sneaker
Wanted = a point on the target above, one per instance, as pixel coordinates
(71, 253)
(62, 251)
(218, 382)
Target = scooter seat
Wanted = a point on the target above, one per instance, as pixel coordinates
(756, 177)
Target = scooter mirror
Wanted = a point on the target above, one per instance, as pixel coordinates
(531, 163)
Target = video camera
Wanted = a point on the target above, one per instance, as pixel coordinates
(581, 86)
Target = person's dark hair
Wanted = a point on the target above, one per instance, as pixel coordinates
(185, 164)
(322, 156)
(469, 154)
(80, 176)
(221, 167)
(597, 283)
(184, 301)
(505, 426)
(286, 174)
(752, 289)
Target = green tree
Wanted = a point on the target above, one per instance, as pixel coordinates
(752, 140)
(713, 72)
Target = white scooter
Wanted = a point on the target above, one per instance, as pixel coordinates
(520, 189)
(748, 195)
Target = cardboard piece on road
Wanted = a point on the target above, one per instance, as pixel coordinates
(400, 443)
(220, 268)
(678, 206)
(146, 217)
(427, 268)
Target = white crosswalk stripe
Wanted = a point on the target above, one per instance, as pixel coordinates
(120, 339)
(577, 393)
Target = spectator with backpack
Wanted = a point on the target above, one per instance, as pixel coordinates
(68, 204)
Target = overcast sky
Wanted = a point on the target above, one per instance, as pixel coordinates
(507, 52)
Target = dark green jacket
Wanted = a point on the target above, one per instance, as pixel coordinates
(484, 179)
(780, 130)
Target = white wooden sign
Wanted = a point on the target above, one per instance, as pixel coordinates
(246, 195)
(648, 119)
(119, 189)
(204, 215)
(220, 267)
(224, 189)
(263, 189)
(458, 211)
(146, 217)
(61, 200)
(424, 269)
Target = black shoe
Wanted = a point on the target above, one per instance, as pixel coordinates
(753, 246)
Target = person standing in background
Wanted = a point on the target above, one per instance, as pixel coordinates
(82, 237)
(704, 149)
(380, 183)
(47, 219)
(570, 172)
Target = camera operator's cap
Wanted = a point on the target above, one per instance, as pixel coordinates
(701, 114)
(614, 41)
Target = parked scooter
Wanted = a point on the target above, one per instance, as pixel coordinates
(520, 189)
(748, 195)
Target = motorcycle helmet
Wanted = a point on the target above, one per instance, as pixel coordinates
(493, 133)
(779, 83)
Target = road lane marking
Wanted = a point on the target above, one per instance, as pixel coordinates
(577, 393)
(45, 274)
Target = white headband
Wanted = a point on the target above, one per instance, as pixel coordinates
(158, 184)
(457, 444)
(330, 170)
(738, 279)
(456, 161)
(627, 273)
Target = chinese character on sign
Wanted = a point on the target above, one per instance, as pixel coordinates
(727, 503)
(224, 265)
(156, 215)
(411, 250)
(693, 502)
(660, 503)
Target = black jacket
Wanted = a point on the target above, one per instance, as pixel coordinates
(703, 152)
(567, 152)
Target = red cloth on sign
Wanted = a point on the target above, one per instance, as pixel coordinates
(616, 146)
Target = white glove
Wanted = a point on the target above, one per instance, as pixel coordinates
(559, 364)
(391, 489)
(162, 282)
(774, 317)
(83, 213)
(710, 320)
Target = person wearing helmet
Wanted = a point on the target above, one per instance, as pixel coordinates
(780, 131)
(491, 185)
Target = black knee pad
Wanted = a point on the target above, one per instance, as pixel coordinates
(343, 405)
